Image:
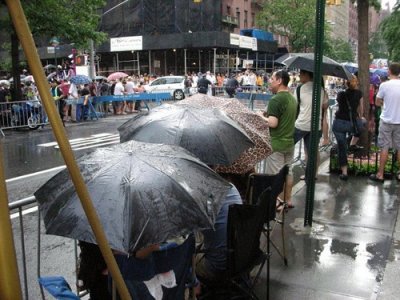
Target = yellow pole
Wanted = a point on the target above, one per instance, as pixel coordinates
(27, 42)
(10, 286)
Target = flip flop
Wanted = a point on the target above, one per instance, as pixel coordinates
(375, 178)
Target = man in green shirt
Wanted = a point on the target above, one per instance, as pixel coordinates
(280, 117)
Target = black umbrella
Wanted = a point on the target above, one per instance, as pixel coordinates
(305, 61)
(207, 133)
(143, 194)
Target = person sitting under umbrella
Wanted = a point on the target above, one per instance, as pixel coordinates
(212, 264)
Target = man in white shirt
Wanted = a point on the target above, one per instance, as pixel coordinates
(389, 125)
(118, 91)
(73, 95)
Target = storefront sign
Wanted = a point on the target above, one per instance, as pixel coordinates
(248, 42)
(234, 39)
(127, 43)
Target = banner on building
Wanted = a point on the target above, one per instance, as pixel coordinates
(127, 43)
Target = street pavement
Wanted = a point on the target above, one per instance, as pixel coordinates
(351, 251)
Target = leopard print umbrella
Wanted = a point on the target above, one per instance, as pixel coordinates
(255, 127)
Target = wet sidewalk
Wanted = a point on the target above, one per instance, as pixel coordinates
(352, 250)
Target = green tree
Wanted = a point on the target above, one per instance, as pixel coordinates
(338, 50)
(292, 18)
(71, 21)
(377, 45)
(390, 28)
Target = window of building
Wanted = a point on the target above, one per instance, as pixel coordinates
(245, 24)
(238, 16)
(228, 10)
(253, 20)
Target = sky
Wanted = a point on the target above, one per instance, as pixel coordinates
(391, 2)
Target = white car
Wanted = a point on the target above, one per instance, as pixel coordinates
(175, 85)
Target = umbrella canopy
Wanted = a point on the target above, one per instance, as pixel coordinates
(143, 194)
(99, 77)
(374, 79)
(5, 82)
(116, 75)
(207, 133)
(80, 79)
(351, 67)
(255, 127)
(380, 72)
(50, 66)
(305, 61)
(28, 78)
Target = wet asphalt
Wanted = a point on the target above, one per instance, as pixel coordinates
(352, 250)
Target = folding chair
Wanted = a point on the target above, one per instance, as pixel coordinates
(245, 224)
(256, 185)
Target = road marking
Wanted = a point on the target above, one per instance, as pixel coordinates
(24, 212)
(35, 174)
(95, 140)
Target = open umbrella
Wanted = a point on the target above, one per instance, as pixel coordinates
(50, 66)
(255, 127)
(305, 61)
(80, 79)
(99, 77)
(116, 75)
(143, 194)
(207, 133)
(351, 67)
(5, 82)
(28, 78)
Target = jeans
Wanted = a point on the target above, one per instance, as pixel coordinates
(340, 129)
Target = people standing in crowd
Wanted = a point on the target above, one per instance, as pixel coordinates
(73, 95)
(129, 89)
(203, 83)
(280, 117)
(388, 97)
(304, 95)
(348, 120)
(231, 85)
(58, 97)
(119, 90)
(212, 79)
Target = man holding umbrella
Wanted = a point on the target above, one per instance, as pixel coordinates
(280, 117)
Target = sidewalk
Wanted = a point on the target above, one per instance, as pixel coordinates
(352, 250)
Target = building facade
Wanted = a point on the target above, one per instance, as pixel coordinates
(182, 36)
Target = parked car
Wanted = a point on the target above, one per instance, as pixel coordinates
(175, 85)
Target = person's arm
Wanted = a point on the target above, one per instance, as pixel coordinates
(378, 101)
(271, 121)
(360, 109)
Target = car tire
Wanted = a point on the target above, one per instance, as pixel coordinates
(179, 95)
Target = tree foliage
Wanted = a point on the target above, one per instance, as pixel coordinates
(377, 45)
(338, 50)
(390, 28)
(292, 18)
(75, 21)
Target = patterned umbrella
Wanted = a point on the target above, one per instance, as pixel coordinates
(255, 127)
(80, 79)
(116, 75)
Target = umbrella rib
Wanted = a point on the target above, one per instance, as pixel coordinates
(141, 233)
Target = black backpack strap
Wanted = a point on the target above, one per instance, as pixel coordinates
(298, 100)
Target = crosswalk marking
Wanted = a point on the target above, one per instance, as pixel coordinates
(95, 140)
